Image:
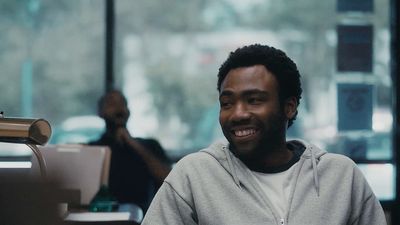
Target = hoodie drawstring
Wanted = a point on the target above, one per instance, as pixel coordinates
(232, 168)
(315, 171)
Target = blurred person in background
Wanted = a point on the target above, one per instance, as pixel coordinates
(138, 166)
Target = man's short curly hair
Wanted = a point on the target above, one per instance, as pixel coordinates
(275, 60)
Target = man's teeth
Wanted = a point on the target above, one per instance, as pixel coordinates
(241, 133)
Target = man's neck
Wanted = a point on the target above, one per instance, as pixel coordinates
(111, 132)
(271, 158)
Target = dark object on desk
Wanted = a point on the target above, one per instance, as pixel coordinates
(70, 196)
(101, 223)
(103, 201)
(25, 202)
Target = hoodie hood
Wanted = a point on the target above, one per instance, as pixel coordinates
(220, 151)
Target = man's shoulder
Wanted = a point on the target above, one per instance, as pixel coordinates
(99, 141)
(340, 166)
(146, 140)
(196, 161)
(199, 157)
(324, 156)
(154, 146)
(150, 143)
(212, 154)
(338, 159)
(193, 166)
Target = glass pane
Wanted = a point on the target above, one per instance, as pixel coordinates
(383, 186)
(167, 65)
(52, 59)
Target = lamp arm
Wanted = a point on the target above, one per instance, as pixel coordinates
(42, 162)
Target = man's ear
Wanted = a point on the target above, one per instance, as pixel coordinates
(100, 112)
(101, 115)
(290, 107)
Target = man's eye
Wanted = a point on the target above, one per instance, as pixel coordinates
(225, 104)
(254, 100)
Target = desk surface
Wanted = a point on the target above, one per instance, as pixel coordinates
(127, 214)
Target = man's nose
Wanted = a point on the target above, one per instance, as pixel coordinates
(240, 112)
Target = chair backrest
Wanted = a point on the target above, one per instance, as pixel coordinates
(76, 167)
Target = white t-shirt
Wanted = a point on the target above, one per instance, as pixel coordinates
(276, 187)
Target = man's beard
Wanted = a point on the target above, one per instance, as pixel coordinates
(273, 134)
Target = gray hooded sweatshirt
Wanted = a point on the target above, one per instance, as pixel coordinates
(209, 187)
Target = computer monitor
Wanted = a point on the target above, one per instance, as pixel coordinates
(76, 167)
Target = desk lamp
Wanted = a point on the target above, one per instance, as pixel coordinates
(31, 132)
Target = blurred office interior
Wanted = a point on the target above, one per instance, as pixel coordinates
(59, 57)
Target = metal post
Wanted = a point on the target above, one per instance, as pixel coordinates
(395, 72)
(109, 44)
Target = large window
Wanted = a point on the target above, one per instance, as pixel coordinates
(52, 57)
(168, 54)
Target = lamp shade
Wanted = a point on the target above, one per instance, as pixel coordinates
(24, 131)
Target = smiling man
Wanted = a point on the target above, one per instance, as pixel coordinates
(259, 177)
(252, 117)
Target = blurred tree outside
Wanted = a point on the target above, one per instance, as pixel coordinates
(167, 58)
(180, 45)
(63, 40)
